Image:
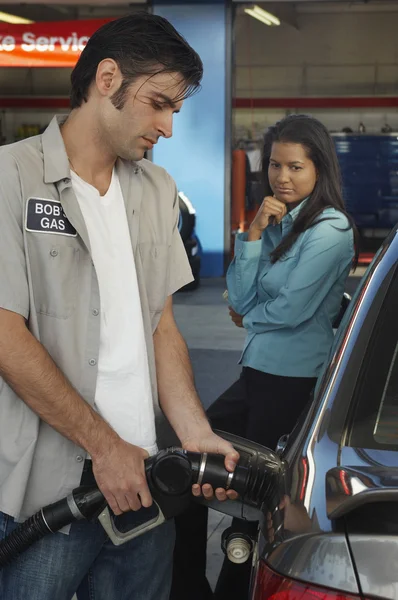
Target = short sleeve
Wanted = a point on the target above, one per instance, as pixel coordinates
(14, 289)
(180, 272)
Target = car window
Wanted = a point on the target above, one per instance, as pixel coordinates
(373, 422)
(386, 426)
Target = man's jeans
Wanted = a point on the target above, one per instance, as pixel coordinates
(87, 563)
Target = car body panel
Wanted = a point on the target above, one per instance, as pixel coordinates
(348, 488)
(314, 545)
(321, 559)
(376, 562)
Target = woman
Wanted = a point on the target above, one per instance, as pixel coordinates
(289, 273)
(287, 281)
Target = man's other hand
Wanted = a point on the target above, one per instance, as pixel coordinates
(213, 443)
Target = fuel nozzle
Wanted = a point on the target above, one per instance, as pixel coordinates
(170, 475)
(173, 471)
(256, 478)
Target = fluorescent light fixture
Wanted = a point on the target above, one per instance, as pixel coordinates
(14, 19)
(262, 15)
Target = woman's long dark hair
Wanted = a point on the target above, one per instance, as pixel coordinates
(315, 138)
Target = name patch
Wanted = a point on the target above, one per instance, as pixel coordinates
(47, 216)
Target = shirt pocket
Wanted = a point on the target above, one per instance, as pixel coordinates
(274, 276)
(55, 279)
(155, 264)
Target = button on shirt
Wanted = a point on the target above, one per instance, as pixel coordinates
(289, 306)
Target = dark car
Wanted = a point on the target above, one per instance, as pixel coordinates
(186, 226)
(334, 531)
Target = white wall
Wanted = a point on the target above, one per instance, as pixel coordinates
(336, 50)
(338, 53)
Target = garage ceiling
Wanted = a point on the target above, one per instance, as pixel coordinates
(72, 9)
(325, 6)
(281, 7)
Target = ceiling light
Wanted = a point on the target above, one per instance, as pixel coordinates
(267, 15)
(14, 19)
(262, 15)
(250, 11)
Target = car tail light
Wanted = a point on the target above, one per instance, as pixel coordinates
(269, 585)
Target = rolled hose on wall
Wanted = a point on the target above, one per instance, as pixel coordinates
(170, 475)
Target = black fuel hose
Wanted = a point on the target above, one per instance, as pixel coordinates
(170, 475)
(83, 503)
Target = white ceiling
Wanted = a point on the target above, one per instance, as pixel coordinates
(326, 6)
(285, 9)
(104, 3)
(61, 10)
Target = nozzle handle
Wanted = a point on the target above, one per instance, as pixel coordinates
(118, 537)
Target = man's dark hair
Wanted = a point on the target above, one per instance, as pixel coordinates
(141, 44)
(319, 146)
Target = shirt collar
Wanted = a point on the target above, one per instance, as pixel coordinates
(56, 164)
(293, 214)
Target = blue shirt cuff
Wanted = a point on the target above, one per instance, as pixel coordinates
(245, 249)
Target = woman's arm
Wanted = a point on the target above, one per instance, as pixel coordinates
(243, 271)
(325, 255)
(242, 274)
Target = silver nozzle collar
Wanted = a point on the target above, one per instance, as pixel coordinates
(202, 468)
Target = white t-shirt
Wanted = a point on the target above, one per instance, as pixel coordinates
(123, 394)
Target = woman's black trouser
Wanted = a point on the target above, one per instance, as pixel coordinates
(261, 408)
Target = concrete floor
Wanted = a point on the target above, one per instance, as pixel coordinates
(214, 343)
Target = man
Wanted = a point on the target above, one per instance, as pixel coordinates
(90, 256)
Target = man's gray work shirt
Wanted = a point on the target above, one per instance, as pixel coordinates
(47, 276)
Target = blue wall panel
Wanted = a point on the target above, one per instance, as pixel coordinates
(195, 155)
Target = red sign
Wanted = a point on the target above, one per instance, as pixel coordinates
(57, 44)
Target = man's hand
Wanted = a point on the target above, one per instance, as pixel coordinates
(180, 401)
(120, 475)
(28, 368)
(271, 210)
(237, 319)
(212, 443)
